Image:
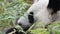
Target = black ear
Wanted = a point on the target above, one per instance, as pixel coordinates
(31, 17)
(55, 5)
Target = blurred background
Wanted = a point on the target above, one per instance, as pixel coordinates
(11, 10)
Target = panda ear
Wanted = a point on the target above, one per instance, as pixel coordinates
(31, 17)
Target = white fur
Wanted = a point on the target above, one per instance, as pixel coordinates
(38, 6)
(41, 13)
(44, 17)
(58, 16)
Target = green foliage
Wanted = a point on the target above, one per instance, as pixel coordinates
(19, 27)
(1, 32)
(33, 30)
(11, 11)
(0, 0)
(20, 1)
(39, 31)
(55, 27)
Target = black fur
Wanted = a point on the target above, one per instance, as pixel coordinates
(55, 5)
(31, 18)
(12, 29)
(9, 30)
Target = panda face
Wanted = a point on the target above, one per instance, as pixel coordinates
(42, 11)
(24, 23)
(34, 9)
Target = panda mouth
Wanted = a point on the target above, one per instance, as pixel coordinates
(25, 29)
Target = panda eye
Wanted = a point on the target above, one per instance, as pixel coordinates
(20, 24)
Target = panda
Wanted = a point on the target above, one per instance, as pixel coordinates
(13, 31)
(45, 11)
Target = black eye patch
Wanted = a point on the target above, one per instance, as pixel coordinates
(31, 18)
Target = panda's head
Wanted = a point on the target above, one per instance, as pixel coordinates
(26, 22)
(13, 31)
(41, 11)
